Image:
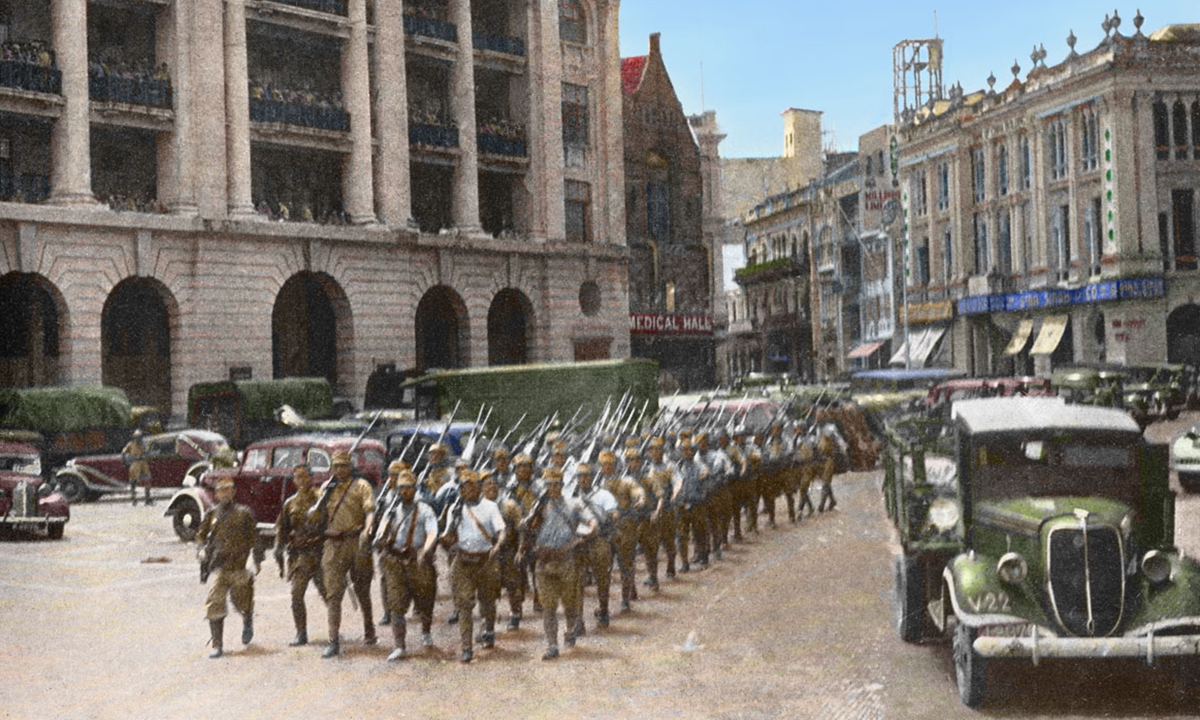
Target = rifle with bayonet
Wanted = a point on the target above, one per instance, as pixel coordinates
(469, 449)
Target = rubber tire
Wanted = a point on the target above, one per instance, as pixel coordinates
(186, 519)
(908, 599)
(1190, 482)
(73, 489)
(970, 669)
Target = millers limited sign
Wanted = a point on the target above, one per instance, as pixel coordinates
(669, 324)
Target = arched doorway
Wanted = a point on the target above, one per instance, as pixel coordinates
(135, 331)
(31, 319)
(1183, 335)
(509, 328)
(443, 338)
(304, 327)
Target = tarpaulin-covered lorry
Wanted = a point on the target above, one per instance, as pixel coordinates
(1039, 530)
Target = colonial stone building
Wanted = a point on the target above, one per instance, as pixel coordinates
(306, 187)
(1056, 215)
(672, 284)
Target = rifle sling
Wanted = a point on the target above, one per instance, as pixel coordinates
(486, 535)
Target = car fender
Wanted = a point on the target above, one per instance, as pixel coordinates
(91, 477)
(978, 596)
(199, 494)
(54, 506)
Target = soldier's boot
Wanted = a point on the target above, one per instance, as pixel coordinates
(489, 634)
(670, 567)
(452, 618)
(550, 626)
(147, 500)
(791, 506)
(625, 598)
(468, 652)
(602, 618)
(247, 628)
(369, 636)
(386, 618)
(133, 496)
(569, 636)
(217, 628)
(300, 617)
(399, 630)
(514, 620)
(627, 580)
(737, 525)
(334, 648)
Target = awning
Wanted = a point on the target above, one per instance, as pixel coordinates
(923, 342)
(865, 350)
(1053, 327)
(1020, 338)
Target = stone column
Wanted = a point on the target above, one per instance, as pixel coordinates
(237, 110)
(393, 192)
(70, 143)
(176, 171)
(545, 177)
(462, 104)
(356, 90)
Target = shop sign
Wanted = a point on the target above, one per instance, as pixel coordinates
(669, 324)
(1127, 289)
(926, 313)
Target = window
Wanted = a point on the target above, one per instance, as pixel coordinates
(658, 210)
(1056, 148)
(947, 255)
(1089, 140)
(1162, 132)
(981, 245)
(1002, 169)
(1004, 242)
(923, 262)
(670, 296)
(287, 457)
(920, 198)
(572, 25)
(1057, 247)
(1026, 236)
(1091, 234)
(978, 175)
(577, 198)
(1179, 128)
(1026, 163)
(943, 196)
(1184, 228)
(574, 115)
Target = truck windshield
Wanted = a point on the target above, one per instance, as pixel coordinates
(1033, 468)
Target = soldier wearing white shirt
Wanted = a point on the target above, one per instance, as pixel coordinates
(408, 563)
(597, 555)
(475, 531)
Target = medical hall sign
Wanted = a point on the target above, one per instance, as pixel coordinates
(669, 324)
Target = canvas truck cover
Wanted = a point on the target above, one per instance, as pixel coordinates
(244, 410)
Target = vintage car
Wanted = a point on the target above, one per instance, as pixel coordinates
(28, 504)
(945, 394)
(1156, 392)
(175, 459)
(402, 445)
(1043, 530)
(263, 478)
(1185, 458)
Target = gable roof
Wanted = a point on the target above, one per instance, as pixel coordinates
(632, 70)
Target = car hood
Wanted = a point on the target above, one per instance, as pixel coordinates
(1027, 515)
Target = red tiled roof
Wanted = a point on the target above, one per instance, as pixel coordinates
(631, 73)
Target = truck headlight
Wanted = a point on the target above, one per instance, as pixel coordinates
(1156, 566)
(943, 514)
(1012, 568)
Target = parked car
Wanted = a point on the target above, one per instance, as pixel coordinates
(175, 459)
(28, 503)
(401, 445)
(944, 394)
(1156, 392)
(1185, 458)
(263, 478)
(1044, 530)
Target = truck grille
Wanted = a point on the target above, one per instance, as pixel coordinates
(1086, 578)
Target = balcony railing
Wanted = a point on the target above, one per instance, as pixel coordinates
(433, 135)
(132, 90)
(30, 76)
(493, 43)
(290, 113)
(497, 145)
(429, 27)
(17, 187)
(334, 7)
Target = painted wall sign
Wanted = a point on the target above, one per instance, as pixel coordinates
(668, 324)
(1127, 289)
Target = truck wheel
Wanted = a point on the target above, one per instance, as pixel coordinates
(969, 668)
(1190, 482)
(908, 599)
(187, 519)
(72, 488)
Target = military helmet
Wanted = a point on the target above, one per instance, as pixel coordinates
(583, 469)
(500, 452)
(552, 475)
(631, 454)
(468, 476)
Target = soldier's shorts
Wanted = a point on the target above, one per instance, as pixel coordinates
(408, 583)
(557, 582)
(238, 584)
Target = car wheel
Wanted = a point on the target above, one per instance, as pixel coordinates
(908, 596)
(187, 519)
(72, 488)
(1190, 482)
(969, 667)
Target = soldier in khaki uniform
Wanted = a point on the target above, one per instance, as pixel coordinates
(351, 511)
(664, 476)
(631, 500)
(806, 462)
(439, 469)
(475, 532)
(512, 577)
(134, 454)
(737, 483)
(596, 554)
(826, 466)
(227, 538)
(297, 534)
(407, 562)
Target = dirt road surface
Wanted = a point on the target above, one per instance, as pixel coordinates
(795, 623)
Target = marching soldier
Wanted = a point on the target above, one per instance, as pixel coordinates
(227, 538)
(806, 462)
(297, 535)
(350, 503)
(552, 530)
(596, 555)
(512, 577)
(826, 465)
(475, 532)
(631, 500)
(407, 563)
(385, 498)
(524, 490)
(689, 498)
(437, 469)
(657, 496)
(720, 501)
(737, 483)
(665, 477)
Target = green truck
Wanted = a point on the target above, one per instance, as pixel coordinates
(536, 391)
(245, 410)
(1037, 530)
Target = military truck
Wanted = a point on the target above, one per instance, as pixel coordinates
(1038, 530)
(244, 411)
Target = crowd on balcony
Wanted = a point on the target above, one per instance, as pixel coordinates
(141, 82)
(132, 203)
(304, 106)
(29, 65)
(430, 123)
(426, 11)
(24, 188)
(501, 136)
(282, 211)
(336, 7)
(429, 19)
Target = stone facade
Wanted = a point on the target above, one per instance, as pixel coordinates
(415, 183)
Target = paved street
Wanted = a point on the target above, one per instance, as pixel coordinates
(795, 624)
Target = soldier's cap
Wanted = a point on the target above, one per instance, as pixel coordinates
(398, 466)
(560, 446)
(522, 459)
(583, 469)
(552, 475)
(685, 433)
(468, 476)
(499, 452)
(551, 437)
(686, 445)
(631, 454)
(701, 438)
(609, 440)
(608, 455)
(632, 442)
(437, 447)
(460, 463)
(657, 442)
(341, 457)
(225, 482)
(406, 479)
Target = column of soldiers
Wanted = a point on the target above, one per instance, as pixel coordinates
(518, 528)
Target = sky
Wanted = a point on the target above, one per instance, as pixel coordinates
(750, 60)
